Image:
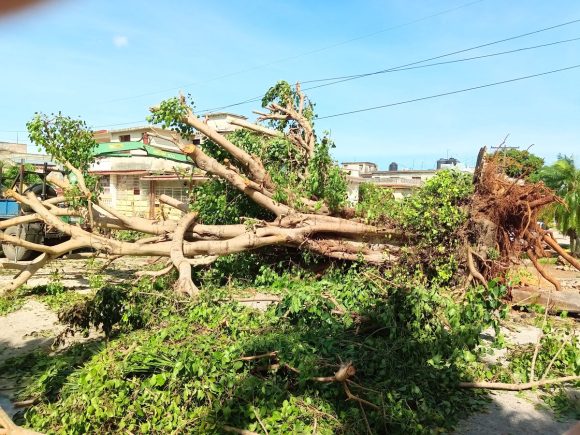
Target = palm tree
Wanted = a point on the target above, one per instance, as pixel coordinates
(564, 178)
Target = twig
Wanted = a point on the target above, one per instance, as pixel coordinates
(537, 348)
(25, 403)
(553, 359)
(518, 387)
(350, 382)
(376, 330)
(155, 273)
(365, 419)
(255, 357)
(260, 421)
(358, 399)
(257, 299)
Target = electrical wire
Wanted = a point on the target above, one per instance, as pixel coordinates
(414, 100)
(402, 68)
(340, 79)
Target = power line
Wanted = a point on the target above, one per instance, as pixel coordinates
(307, 53)
(357, 76)
(483, 56)
(404, 68)
(399, 103)
(341, 79)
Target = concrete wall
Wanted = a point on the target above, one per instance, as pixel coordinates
(10, 147)
(131, 195)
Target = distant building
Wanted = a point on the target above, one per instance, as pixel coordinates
(133, 185)
(16, 153)
(356, 169)
(10, 147)
(447, 163)
(401, 182)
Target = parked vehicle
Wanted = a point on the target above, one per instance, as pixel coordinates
(36, 232)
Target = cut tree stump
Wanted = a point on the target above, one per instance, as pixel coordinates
(566, 300)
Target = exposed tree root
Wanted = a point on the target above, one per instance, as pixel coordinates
(473, 272)
(503, 217)
(541, 270)
(554, 245)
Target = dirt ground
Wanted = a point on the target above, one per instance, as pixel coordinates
(34, 326)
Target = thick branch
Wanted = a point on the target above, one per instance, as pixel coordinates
(252, 164)
(184, 283)
(179, 205)
(518, 387)
(257, 128)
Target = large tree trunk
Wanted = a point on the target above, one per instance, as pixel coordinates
(502, 216)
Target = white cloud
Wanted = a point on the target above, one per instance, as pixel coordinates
(120, 41)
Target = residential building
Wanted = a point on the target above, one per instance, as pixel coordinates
(401, 182)
(133, 185)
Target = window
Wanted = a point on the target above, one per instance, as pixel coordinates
(105, 182)
(124, 138)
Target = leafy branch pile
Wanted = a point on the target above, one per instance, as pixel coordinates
(177, 366)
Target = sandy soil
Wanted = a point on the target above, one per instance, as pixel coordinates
(34, 326)
(515, 413)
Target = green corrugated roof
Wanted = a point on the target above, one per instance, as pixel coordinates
(123, 149)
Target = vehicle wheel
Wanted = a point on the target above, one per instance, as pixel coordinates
(29, 232)
(37, 190)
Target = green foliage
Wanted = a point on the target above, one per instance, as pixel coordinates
(283, 94)
(219, 203)
(170, 114)
(67, 141)
(53, 294)
(564, 177)
(115, 308)
(410, 344)
(10, 173)
(42, 375)
(326, 181)
(64, 138)
(10, 302)
(435, 211)
(521, 164)
(376, 204)
(566, 362)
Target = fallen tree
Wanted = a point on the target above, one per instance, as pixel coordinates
(299, 199)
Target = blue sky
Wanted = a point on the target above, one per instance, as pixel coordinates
(107, 62)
